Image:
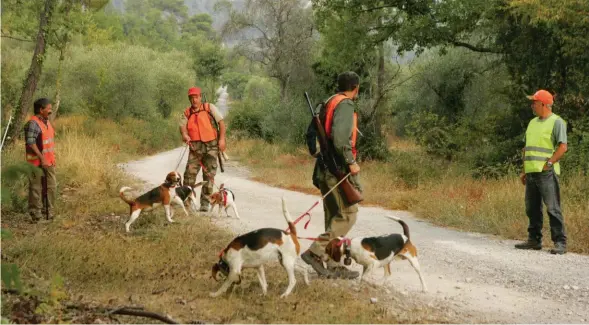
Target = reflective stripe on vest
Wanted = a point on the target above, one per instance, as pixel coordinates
(199, 125)
(329, 112)
(48, 144)
(539, 147)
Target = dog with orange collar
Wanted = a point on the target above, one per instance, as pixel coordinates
(223, 199)
(374, 252)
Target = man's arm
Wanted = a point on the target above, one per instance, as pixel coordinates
(341, 132)
(219, 119)
(183, 130)
(32, 133)
(222, 135)
(559, 153)
(559, 135)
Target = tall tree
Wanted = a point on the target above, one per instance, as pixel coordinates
(35, 69)
(276, 34)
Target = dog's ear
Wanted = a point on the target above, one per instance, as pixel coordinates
(333, 249)
(214, 271)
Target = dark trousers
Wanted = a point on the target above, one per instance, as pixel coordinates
(545, 187)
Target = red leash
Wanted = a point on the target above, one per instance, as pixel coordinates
(308, 212)
(204, 170)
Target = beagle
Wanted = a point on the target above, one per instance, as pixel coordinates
(224, 198)
(161, 195)
(256, 248)
(372, 252)
(185, 193)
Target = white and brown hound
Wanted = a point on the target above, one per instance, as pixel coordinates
(161, 195)
(373, 252)
(186, 193)
(223, 198)
(256, 248)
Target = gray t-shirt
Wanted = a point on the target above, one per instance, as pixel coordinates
(559, 132)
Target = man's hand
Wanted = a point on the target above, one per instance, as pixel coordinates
(44, 163)
(522, 177)
(186, 139)
(354, 169)
(221, 144)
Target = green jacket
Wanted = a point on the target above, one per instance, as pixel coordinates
(340, 142)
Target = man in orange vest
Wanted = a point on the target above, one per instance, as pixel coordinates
(199, 131)
(39, 148)
(339, 119)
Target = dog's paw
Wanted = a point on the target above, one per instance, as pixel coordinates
(213, 294)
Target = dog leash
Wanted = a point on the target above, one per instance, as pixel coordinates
(181, 157)
(204, 170)
(308, 212)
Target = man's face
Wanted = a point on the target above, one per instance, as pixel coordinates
(537, 107)
(195, 100)
(46, 111)
(356, 91)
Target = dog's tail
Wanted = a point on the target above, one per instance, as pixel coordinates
(403, 224)
(292, 229)
(121, 194)
(291, 225)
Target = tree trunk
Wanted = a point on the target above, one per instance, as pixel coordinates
(34, 73)
(283, 88)
(58, 82)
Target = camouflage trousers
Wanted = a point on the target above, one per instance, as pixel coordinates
(339, 217)
(205, 152)
(36, 191)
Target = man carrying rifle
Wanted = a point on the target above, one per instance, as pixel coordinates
(199, 131)
(339, 119)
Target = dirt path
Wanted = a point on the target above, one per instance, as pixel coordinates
(478, 275)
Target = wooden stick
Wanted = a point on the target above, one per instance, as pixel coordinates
(142, 313)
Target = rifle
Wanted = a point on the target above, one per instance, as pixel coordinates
(44, 193)
(216, 125)
(350, 193)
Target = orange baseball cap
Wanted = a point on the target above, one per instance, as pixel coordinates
(193, 91)
(542, 96)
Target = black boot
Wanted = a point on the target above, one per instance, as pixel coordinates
(530, 244)
(559, 248)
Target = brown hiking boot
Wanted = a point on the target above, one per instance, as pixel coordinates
(530, 244)
(340, 272)
(317, 264)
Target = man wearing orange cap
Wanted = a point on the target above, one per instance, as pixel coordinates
(546, 143)
(199, 130)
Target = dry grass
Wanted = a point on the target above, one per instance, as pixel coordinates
(163, 267)
(433, 190)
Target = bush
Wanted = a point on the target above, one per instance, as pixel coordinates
(119, 80)
(236, 83)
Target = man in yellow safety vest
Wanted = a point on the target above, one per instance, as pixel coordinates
(546, 143)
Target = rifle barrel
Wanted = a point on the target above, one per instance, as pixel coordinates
(309, 103)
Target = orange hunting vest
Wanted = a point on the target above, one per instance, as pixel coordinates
(199, 125)
(48, 144)
(330, 109)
